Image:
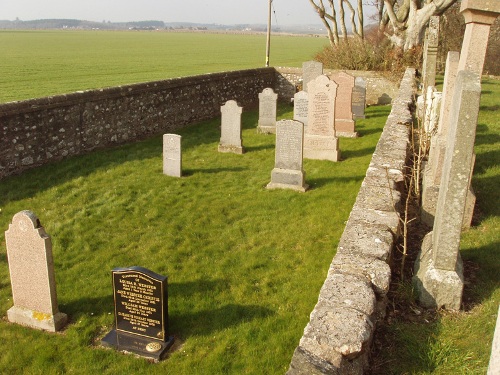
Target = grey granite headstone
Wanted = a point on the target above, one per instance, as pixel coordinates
(310, 70)
(344, 122)
(288, 170)
(300, 107)
(438, 271)
(320, 140)
(431, 44)
(230, 140)
(359, 98)
(29, 251)
(172, 155)
(267, 111)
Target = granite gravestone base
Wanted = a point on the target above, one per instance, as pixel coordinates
(141, 313)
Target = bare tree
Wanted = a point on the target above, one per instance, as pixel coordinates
(409, 18)
(329, 18)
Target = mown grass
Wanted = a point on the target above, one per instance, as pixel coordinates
(245, 264)
(42, 63)
(460, 343)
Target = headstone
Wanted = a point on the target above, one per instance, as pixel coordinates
(31, 267)
(432, 109)
(300, 106)
(230, 140)
(359, 98)
(431, 44)
(438, 270)
(320, 141)
(288, 170)
(172, 155)
(141, 313)
(479, 15)
(433, 170)
(494, 366)
(267, 111)
(344, 122)
(310, 70)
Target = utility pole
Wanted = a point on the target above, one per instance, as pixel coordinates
(268, 45)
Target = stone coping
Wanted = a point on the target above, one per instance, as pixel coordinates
(353, 298)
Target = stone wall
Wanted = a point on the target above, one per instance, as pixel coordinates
(379, 89)
(353, 298)
(39, 131)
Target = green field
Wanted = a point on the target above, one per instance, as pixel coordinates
(41, 63)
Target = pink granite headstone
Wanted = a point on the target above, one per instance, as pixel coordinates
(344, 122)
(29, 251)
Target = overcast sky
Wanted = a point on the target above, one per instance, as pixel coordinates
(286, 12)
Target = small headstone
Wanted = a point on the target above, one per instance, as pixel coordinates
(230, 139)
(267, 111)
(31, 267)
(310, 70)
(300, 105)
(359, 98)
(344, 122)
(288, 172)
(141, 313)
(172, 155)
(320, 141)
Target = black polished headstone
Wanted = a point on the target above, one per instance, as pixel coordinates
(141, 313)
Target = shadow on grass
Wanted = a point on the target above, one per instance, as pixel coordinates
(351, 154)
(206, 322)
(258, 148)
(189, 172)
(315, 183)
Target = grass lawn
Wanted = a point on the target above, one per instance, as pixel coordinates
(245, 264)
(41, 63)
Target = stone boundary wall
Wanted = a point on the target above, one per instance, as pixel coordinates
(353, 298)
(379, 90)
(39, 131)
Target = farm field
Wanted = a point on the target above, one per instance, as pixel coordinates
(42, 63)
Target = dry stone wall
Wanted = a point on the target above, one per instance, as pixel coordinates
(39, 131)
(353, 298)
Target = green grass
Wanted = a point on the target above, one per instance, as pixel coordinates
(460, 343)
(245, 264)
(42, 63)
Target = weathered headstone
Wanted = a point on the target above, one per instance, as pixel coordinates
(431, 44)
(438, 271)
(433, 171)
(230, 140)
(172, 155)
(141, 313)
(29, 252)
(432, 110)
(300, 107)
(288, 170)
(267, 111)
(494, 366)
(359, 98)
(344, 123)
(320, 141)
(310, 70)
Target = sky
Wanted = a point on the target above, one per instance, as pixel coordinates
(228, 12)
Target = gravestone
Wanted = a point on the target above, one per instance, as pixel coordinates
(31, 267)
(320, 141)
(288, 170)
(300, 105)
(494, 366)
(172, 155)
(431, 44)
(141, 313)
(359, 98)
(267, 111)
(230, 140)
(344, 122)
(438, 270)
(310, 70)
